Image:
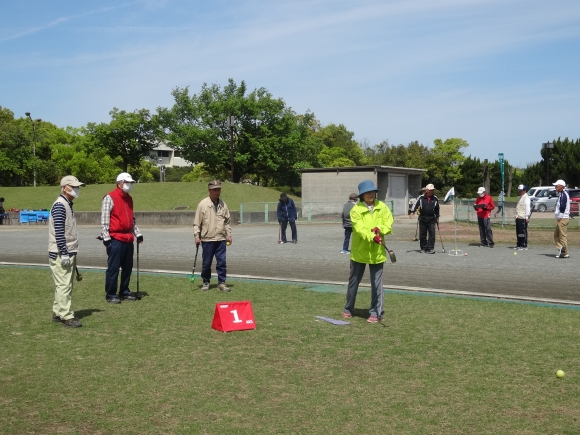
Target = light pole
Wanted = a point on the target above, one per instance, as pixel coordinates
(161, 170)
(230, 123)
(548, 146)
(33, 141)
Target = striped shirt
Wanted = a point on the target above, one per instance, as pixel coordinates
(58, 213)
(106, 208)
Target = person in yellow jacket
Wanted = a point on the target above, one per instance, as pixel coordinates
(371, 221)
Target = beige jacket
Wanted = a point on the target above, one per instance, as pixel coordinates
(70, 230)
(211, 223)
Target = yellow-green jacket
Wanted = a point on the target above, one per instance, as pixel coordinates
(363, 249)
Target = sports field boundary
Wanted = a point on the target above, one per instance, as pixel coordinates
(405, 289)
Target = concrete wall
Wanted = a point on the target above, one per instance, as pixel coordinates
(154, 218)
(332, 186)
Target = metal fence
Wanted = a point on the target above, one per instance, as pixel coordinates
(465, 212)
(308, 212)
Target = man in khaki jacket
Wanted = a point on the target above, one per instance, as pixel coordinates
(211, 229)
(63, 247)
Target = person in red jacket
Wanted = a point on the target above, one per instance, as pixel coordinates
(483, 206)
(118, 231)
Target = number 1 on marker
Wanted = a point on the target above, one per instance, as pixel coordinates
(236, 318)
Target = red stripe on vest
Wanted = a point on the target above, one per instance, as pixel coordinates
(121, 226)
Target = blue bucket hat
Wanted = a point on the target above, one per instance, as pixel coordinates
(366, 186)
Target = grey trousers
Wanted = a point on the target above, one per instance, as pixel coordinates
(377, 296)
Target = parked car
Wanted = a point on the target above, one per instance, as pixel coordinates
(546, 199)
(539, 191)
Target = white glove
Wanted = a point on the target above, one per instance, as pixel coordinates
(65, 260)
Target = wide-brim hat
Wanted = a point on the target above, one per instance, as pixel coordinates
(429, 187)
(366, 186)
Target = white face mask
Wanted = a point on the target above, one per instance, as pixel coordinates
(127, 187)
(481, 195)
(75, 192)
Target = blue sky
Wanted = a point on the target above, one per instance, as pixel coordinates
(501, 74)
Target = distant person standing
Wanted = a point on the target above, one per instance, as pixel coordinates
(500, 201)
(63, 247)
(287, 214)
(428, 206)
(2, 211)
(118, 232)
(523, 212)
(483, 206)
(212, 230)
(371, 221)
(347, 223)
(562, 214)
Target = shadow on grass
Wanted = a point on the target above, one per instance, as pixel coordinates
(86, 313)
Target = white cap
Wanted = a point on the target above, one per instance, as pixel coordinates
(124, 176)
(480, 190)
(429, 187)
(560, 183)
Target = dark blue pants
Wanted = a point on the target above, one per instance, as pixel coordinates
(293, 227)
(522, 233)
(347, 234)
(208, 251)
(120, 256)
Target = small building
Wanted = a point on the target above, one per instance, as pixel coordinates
(165, 156)
(336, 184)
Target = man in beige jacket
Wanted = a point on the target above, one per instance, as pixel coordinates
(211, 229)
(63, 247)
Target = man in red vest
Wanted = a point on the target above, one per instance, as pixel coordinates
(118, 231)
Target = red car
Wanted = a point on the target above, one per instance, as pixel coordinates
(574, 200)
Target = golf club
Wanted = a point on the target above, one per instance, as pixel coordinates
(192, 279)
(416, 229)
(79, 276)
(391, 253)
(440, 238)
(138, 295)
(279, 233)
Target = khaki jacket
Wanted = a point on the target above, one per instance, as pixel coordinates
(70, 230)
(211, 223)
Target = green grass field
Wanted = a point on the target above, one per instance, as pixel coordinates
(146, 196)
(438, 365)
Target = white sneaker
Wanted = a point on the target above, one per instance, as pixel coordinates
(205, 286)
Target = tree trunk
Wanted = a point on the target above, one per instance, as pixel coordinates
(510, 179)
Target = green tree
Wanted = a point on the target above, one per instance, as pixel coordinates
(339, 147)
(270, 140)
(130, 136)
(444, 162)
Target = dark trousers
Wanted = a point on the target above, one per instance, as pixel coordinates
(208, 251)
(293, 227)
(522, 233)
(427, 228)
(120, 255)
(485, 234)
(347, 234)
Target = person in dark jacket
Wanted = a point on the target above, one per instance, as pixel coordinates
(346, 222)
(2, 211)
(287, 213)
(428, 204)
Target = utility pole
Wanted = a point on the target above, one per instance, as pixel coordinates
(231, 120)
(34, 122)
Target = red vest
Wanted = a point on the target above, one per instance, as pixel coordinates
(121, 226)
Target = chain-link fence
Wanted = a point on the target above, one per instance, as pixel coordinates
(465, 212)
(308, 212)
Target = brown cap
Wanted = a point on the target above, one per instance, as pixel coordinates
(353, 196)
(215, 184)
(69, 180)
